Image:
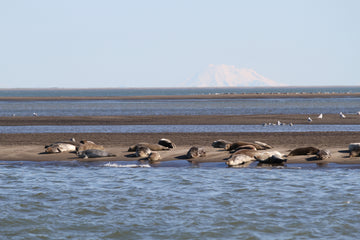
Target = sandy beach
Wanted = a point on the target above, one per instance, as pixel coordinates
(30, 147)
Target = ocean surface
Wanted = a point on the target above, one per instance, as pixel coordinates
(177, 107)
(130, 200)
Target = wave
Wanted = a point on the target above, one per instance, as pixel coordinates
(116, 165)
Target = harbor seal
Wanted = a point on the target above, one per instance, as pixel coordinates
(323, 154)
(220, 143)
(237, 145)
(264, 145)
(270, 157)
(85, 145)
(249, 152)
(195, 152)
(143, 151)
(304, 151)
(166, 143)
(153, 157)
(94, 153)
(153, 147)
(354, 149)
(58, 147)
(239, 159)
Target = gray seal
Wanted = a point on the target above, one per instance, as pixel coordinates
(323, 154)
(195, 152)
(94, 153)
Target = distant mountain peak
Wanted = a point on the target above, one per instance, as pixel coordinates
(229, 76)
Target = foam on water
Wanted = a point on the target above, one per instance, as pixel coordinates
(116, 165)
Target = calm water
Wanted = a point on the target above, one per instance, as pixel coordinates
(177, 128)
(109, 201)
(175, 200)
(181, 107)
(169, 91)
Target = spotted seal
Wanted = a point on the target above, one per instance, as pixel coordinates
(237, 145)
(166, 143)
(354, 149)
(153, 157)
(143, 151)
(220, 143)
(94, 153)
(195, 152)
(58, 147)
(85, 145)
(270, 157)
(153, 147)
(239, 159)
(323, 154)
(304, 151)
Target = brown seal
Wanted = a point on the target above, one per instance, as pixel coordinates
(304, 151)
(153, 147)
(220, 143)
(85, 145)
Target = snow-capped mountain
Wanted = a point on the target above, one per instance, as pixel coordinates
(229, 76)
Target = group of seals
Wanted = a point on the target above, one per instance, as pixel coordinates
(149, 150)
(244, 153)
(84, 149)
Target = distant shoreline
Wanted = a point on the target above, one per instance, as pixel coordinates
(197, 96)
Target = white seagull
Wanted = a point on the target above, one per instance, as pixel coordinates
(309, 119)
(342, 115)
(320, 116)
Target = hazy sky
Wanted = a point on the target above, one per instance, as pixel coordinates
(113, 43)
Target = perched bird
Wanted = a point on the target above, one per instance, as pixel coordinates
(320, 116)
(358, 113)
(342, 115)
(35, 114)
(309, 119)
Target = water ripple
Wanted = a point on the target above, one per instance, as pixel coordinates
(63, 201)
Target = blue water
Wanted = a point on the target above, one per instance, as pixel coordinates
(109, 201)
(176, 128)
(181, 107)
(57, 92)
(177, 200)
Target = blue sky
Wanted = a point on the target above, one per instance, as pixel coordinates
(84, 43)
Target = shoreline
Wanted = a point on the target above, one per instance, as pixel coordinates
(30, 147)
(195, 96)
(330, 119)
